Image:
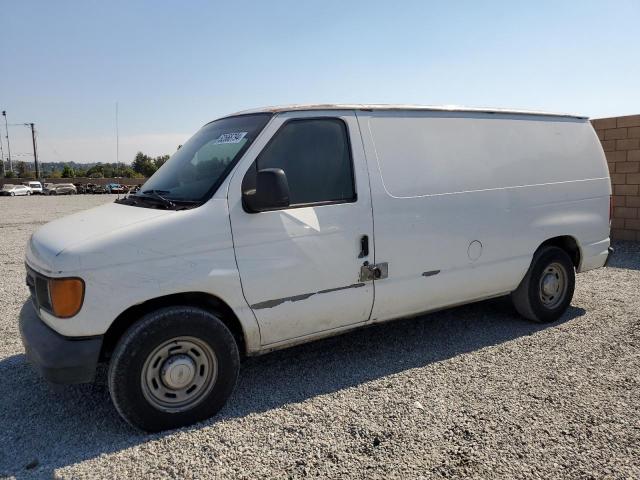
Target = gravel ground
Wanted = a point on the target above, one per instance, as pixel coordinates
(470, 392)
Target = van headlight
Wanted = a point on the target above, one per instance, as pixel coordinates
(66, 295)
(62, 297)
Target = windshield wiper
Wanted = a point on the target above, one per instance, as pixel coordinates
(155, 194)
(128, 200)
(153, 198)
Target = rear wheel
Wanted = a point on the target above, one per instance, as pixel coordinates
(547, 289)
(174, 367)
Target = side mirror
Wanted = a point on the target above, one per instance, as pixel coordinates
(271, 193)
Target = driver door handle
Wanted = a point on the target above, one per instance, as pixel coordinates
(364, 246)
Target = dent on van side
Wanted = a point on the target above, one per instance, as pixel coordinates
(274, 227)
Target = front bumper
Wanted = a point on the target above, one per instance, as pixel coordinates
(59, 359)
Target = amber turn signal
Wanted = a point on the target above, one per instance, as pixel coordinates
(67, 295)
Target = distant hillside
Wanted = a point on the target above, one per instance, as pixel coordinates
(59, 166)
(142, 166)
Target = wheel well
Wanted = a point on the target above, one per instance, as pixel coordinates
(568, 244)
(194, 299)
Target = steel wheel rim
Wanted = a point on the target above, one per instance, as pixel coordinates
(553, 285)
(178, 374)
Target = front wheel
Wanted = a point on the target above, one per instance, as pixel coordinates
(174, 367)
(547, 289)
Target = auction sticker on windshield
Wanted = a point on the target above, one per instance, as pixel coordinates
(235, 137)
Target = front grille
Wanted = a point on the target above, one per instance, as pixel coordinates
(39, 289)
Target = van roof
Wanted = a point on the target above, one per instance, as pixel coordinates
(435, 108)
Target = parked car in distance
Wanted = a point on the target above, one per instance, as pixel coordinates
(36, 187)
(62, 189)
(134, 189)
(46, 188)
(115, 188)
(95, 188)
(10, 190)
(270, 228)
(80, 187)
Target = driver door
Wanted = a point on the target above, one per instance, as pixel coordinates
(300, 265)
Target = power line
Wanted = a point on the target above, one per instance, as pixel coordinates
(33, 140)
(22, 154)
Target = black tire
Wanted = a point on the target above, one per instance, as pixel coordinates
(126, 378)
(530, 299)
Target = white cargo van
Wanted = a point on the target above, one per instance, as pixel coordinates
(278, 226)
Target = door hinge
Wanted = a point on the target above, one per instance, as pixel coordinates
(376, 271)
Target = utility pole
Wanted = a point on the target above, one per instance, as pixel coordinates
(1, 160)
(6, 126)
(35, 152)
(117, 143)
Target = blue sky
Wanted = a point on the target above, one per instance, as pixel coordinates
(173, 66)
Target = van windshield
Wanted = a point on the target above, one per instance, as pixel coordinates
(195, 171)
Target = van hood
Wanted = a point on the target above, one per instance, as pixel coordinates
(52, 239)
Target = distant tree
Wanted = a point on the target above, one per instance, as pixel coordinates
(80, 172)
(23, 169)
(9, 174)
(159, 161)
(96, 171)
(55, 174)
(67, 172)
(129, 172)
(144, 165)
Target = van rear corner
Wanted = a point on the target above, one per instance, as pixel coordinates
(595, 255)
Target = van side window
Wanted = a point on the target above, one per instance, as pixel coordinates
(316, 157)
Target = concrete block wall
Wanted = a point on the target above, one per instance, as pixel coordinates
(620, 138)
